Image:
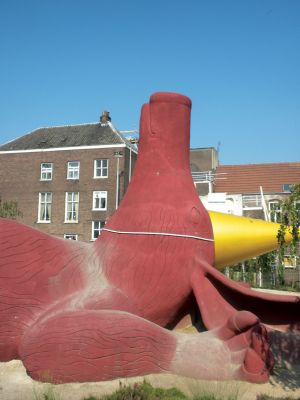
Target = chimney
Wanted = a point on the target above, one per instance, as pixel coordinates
(105, 117)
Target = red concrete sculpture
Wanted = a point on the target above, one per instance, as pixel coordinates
(74, 312)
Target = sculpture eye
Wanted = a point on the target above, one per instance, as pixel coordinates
(195, 216)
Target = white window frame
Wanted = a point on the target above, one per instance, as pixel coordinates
(70, 236)
(98, 196)
(45, 207)
(274, 213)
(46, 172)
(100, 168)
(97, 229)
(74, 203)
(73, 171)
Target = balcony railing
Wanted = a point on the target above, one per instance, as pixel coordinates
(207, 176)
(252, 201)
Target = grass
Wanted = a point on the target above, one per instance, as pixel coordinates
(49, 395)
(142, 391)
(266, 397)
(145, 391)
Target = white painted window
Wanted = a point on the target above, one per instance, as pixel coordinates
(46, 171)
(275, 211)
(73, 169)
(100, 168)
(70, 236)
(96, 228)
(45, 205)
(72, 207)
(100, 200)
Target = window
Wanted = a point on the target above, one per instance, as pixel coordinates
(286, 187)
(100, 168)
(45, 203)
(290, 261)
(70, 236)
(73, 169)
(100, 201)
(275, 211)
(96, 228)
(72, 207)
(46, 171)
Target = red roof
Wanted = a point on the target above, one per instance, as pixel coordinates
(247, 178)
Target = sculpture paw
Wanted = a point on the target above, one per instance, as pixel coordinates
(248, 341)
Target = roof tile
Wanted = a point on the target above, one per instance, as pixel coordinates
(247, 178)
(66, 136)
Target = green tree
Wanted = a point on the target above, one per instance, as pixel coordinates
(290, 219)
(9, 209)
(272, 264)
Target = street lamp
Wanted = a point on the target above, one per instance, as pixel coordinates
(118, 155)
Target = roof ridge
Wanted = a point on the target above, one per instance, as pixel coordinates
(115, 130)
(262, 163)
(124, 140)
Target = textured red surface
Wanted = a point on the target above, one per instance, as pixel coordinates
(77, 312)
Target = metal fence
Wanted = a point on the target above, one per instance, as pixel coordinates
(269, 280)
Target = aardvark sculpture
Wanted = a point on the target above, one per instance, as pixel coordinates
(76, 312)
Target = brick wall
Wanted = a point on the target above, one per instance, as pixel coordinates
(20, 181)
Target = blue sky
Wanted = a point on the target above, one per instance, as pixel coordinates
(65, 61)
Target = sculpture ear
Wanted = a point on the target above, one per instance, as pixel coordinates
(156, 117)
(145, 121)
(145, 131)
(168, 111)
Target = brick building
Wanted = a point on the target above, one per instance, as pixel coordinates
(67, 180)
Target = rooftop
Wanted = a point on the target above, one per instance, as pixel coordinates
(92, 134)
(247, 178)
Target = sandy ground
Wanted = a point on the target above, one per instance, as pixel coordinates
(15, 384)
